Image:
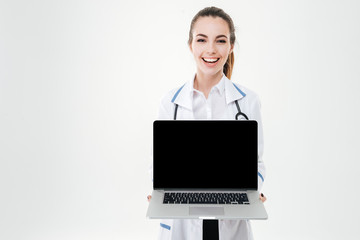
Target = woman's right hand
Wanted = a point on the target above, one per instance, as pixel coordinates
(149, 198)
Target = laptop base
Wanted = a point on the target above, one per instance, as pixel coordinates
(255, 210)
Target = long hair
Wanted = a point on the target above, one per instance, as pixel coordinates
(217, 12)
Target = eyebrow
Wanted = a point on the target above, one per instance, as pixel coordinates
(203, 35)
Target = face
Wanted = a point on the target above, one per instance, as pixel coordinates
(211, 45)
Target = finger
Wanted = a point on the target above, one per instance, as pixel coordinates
(149, 198)
(262, 197)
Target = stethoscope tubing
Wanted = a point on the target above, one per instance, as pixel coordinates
(239, 112)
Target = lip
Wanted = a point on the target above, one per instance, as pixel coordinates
(209, 63)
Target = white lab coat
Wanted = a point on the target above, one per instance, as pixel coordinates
(250, 105)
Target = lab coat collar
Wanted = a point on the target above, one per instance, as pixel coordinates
(232, 91)
(220, 86)
(184, 95)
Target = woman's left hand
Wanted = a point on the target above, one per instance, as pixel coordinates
(262, 197)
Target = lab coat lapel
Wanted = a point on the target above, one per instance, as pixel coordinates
(233, 91)
(184, 97)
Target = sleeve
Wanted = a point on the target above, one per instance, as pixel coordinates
(256, 115)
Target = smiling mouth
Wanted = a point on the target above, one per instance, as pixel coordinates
(210, 60)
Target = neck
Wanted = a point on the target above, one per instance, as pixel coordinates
(204, 82)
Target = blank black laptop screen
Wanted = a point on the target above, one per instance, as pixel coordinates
(194, 154)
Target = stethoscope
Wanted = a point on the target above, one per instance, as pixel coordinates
(239, 114)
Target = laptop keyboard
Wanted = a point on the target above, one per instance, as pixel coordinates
(205, 198)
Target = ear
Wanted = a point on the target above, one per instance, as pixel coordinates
(231, 48)
(190, 47)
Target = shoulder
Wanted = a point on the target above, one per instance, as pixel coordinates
(170, 96)
(250, 103)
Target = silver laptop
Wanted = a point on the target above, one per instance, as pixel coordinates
(205, 170)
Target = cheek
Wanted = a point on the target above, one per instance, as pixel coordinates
(197, 50)
(225, 51)
(197, 53)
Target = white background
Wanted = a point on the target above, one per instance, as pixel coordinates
(80, 84)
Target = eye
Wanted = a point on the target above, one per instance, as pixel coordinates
(200, 40)
(222, 41)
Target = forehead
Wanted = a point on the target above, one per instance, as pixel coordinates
(211, 26)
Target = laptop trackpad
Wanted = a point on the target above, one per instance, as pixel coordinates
(206, 211)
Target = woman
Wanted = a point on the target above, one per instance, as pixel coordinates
(211, 95)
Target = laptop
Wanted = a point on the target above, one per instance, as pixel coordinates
(205, 169)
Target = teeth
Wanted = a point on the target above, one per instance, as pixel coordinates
(212, 60)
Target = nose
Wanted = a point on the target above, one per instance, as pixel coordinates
(211, 48)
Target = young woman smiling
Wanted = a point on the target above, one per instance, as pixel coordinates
(211, 95)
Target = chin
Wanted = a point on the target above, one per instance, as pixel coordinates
(211, 72)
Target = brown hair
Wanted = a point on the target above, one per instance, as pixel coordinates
(217, 12)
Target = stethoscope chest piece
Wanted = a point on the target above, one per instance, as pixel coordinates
(239, 115)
